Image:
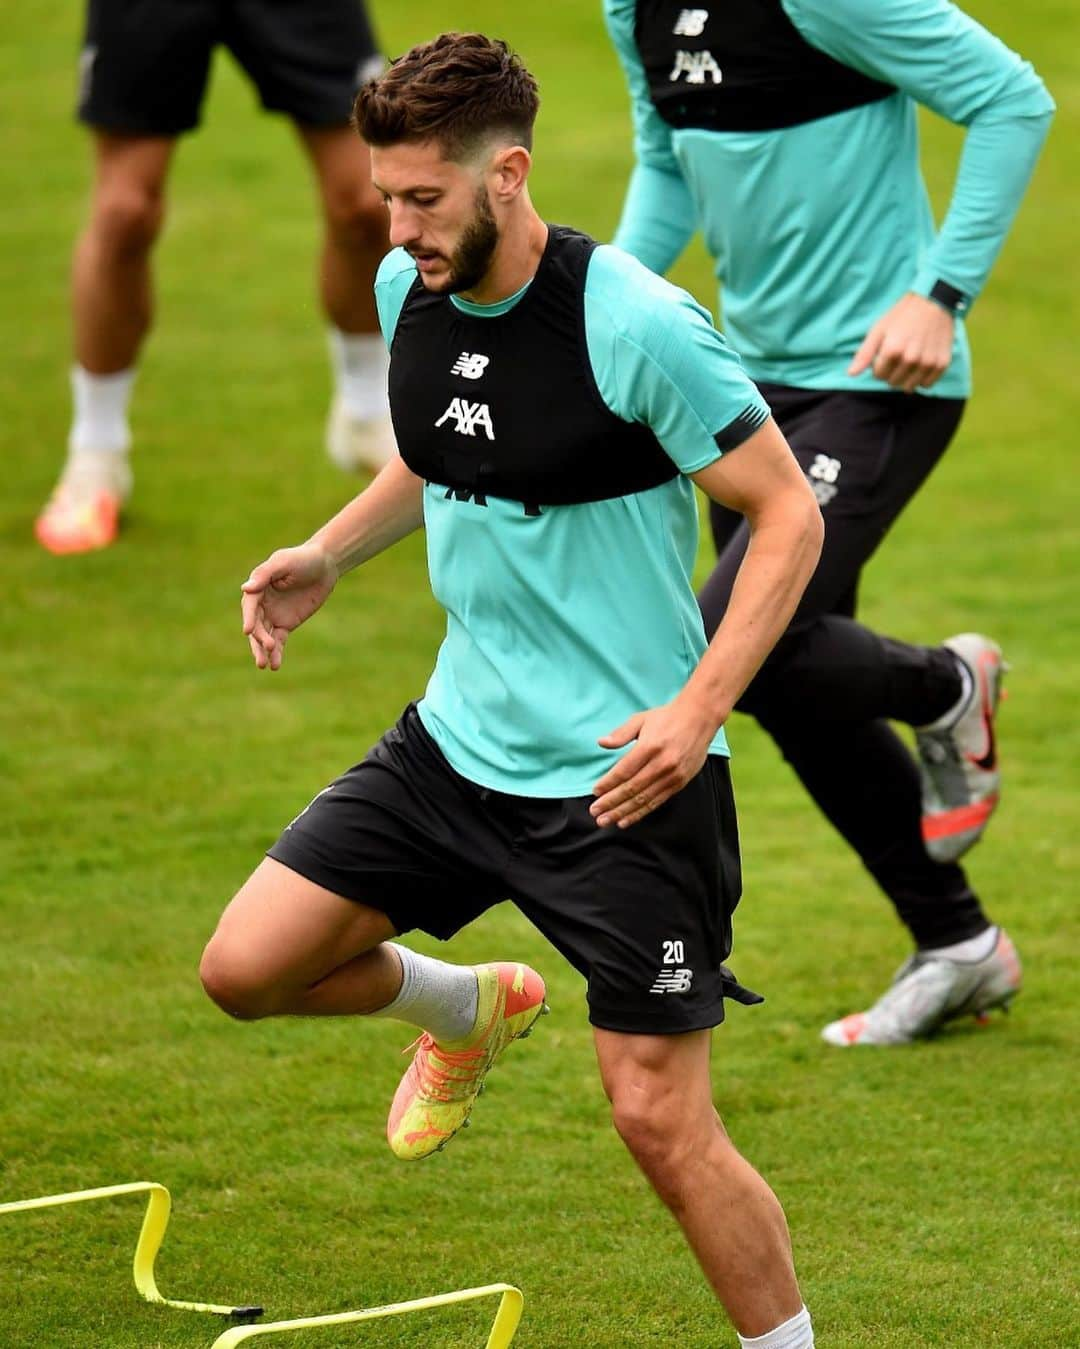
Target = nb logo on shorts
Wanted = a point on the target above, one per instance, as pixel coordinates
(673, 981)
(470, 366)
(691, 22)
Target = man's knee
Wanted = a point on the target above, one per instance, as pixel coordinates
(127, 218)
(234, 984)
(657, 1134)
(355, 217)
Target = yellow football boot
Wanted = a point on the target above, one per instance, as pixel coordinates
(436, 1096)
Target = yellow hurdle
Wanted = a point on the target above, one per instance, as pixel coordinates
(502, 1331)
(151, 1235)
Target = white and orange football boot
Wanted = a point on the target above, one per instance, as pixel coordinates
(83, 512)
(958, 761)
(436, 1096)
(930, 989)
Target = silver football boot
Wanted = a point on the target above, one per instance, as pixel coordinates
(958, 762)
(928, 991)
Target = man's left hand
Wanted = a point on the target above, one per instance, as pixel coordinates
(910, 347)
(672, 742)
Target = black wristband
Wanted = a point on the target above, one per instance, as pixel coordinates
(955, 301)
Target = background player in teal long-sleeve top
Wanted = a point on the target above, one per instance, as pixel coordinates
(786, 131)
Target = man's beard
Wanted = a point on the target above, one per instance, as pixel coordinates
(469, 262)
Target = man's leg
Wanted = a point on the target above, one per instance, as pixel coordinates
(830, 684)
(359, 434)
(112, 305)
(661, 1099)
(288, 947)
(399, 841)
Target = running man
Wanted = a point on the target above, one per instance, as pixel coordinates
(552, 401)
(786, 131)
(143, 74)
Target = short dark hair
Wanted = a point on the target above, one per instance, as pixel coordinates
(457, 89)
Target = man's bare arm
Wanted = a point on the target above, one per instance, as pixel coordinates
(286, 589)
(762, 480)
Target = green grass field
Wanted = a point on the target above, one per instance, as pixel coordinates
(144, 766)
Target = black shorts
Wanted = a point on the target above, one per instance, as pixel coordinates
(144, 63)
(643, 913)
(865, 455)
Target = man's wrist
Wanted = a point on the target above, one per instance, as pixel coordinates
(945, 295)
(709, 710)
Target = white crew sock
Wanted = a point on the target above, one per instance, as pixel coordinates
(953, 715)
(974, 948)
(361, 363)
(440, 998)
(797, 1333)
(100, 423)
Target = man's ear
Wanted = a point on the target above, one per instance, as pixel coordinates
(510, 171)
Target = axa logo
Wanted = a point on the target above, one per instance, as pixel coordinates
(691, 22)
(696, 67)
(467, 417)
(470, 364)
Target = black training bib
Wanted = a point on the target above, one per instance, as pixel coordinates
(508, 406)
(741, 66)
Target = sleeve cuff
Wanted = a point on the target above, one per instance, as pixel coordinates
(749, 420)
(951, 298)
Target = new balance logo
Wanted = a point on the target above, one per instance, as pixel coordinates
(673, 981)
(691, 22)
(695, 66)
(468, 416)
(469, 365)
(823, 475)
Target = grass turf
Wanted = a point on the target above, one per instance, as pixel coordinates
(144, 766)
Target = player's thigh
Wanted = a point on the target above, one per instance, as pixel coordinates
(281, 928)
(143, 67)
(643, 913)
(307, 58)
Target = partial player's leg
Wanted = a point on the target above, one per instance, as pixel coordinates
(359, 433)
(827, 689)
(661, 1100)
(308, 60)
(142, 75)
(646, 915)
(112, 307)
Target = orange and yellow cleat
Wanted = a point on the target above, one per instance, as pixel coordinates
(436, 1096)
(83, 512)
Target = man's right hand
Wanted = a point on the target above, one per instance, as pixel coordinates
(280, 594)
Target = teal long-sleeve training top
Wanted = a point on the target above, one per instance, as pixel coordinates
(817, 229)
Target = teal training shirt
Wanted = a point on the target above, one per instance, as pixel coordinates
(817, 229)
(561, 625)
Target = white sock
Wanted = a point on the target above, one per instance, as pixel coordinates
(101, 405)
(440, 998)
(967, 689)
(974, 948)
(360, 362)
(797, 1333)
